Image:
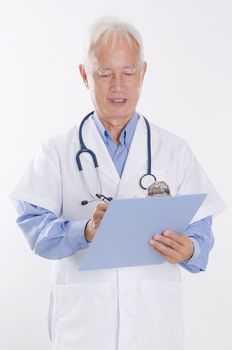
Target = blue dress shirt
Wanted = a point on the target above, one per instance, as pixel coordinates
(119, 152)
(57, 238)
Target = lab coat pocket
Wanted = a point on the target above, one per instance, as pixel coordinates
(84, 317)
(160, 315)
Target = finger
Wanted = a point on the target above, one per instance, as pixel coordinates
(99, 214)
(97, 217)
(180, 238)
(102, 206)
(181, 252)
(171, 260)
(163, 249)
(96, 223)
(168, 241)
(170, 257)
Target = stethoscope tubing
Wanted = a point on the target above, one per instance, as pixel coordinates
(84, 149)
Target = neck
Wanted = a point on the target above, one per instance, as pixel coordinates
(115, 126)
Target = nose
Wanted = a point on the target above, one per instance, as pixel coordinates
(117, 83)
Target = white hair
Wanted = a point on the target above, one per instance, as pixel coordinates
(110, 27)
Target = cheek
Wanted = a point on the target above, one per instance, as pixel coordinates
(101, 89)
(135, 91)
(99, 94)
(134, 86)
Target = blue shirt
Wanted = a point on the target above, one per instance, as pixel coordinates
(57, 238)
(119, 152)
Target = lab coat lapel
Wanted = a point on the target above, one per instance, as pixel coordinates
(94, 142)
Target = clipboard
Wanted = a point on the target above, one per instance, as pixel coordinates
(128, 224)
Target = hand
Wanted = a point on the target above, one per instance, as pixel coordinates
(174, 247)
(94, 222)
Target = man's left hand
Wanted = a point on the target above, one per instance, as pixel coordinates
(174, 247)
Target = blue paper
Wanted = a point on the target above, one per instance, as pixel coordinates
(128, 225)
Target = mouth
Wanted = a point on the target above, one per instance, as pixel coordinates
(118, 101)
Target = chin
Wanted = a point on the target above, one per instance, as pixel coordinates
(120, 113)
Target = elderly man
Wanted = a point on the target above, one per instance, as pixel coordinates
(137, 307)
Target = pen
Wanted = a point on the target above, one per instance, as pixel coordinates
(104, 198)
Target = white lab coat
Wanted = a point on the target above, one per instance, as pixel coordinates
(135, 308)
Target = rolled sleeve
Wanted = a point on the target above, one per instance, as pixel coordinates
(76, 234)
(200, 233)
(48, 236)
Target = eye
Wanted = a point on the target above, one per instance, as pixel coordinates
(129, 74)
(104, 75)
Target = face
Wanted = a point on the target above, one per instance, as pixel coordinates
(114, 78)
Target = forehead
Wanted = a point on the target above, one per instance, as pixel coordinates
(115, 50)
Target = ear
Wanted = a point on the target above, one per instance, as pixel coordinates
(144, 69)
(83, 75)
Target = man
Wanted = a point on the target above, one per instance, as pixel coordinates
(127, 308)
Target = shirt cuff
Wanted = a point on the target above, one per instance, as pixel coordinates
(196, 253)
(76, 235)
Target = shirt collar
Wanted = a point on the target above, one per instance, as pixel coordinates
(126, 134)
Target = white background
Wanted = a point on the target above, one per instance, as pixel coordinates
(187, 90)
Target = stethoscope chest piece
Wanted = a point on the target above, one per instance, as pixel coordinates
(158, 188)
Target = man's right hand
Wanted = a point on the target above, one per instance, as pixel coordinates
(94, 222)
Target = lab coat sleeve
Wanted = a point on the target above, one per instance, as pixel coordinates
(41, 182)
(192, 179)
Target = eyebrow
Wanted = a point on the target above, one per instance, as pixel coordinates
(101, 68)
(123, 67)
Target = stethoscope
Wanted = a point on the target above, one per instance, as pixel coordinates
(148, 177)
